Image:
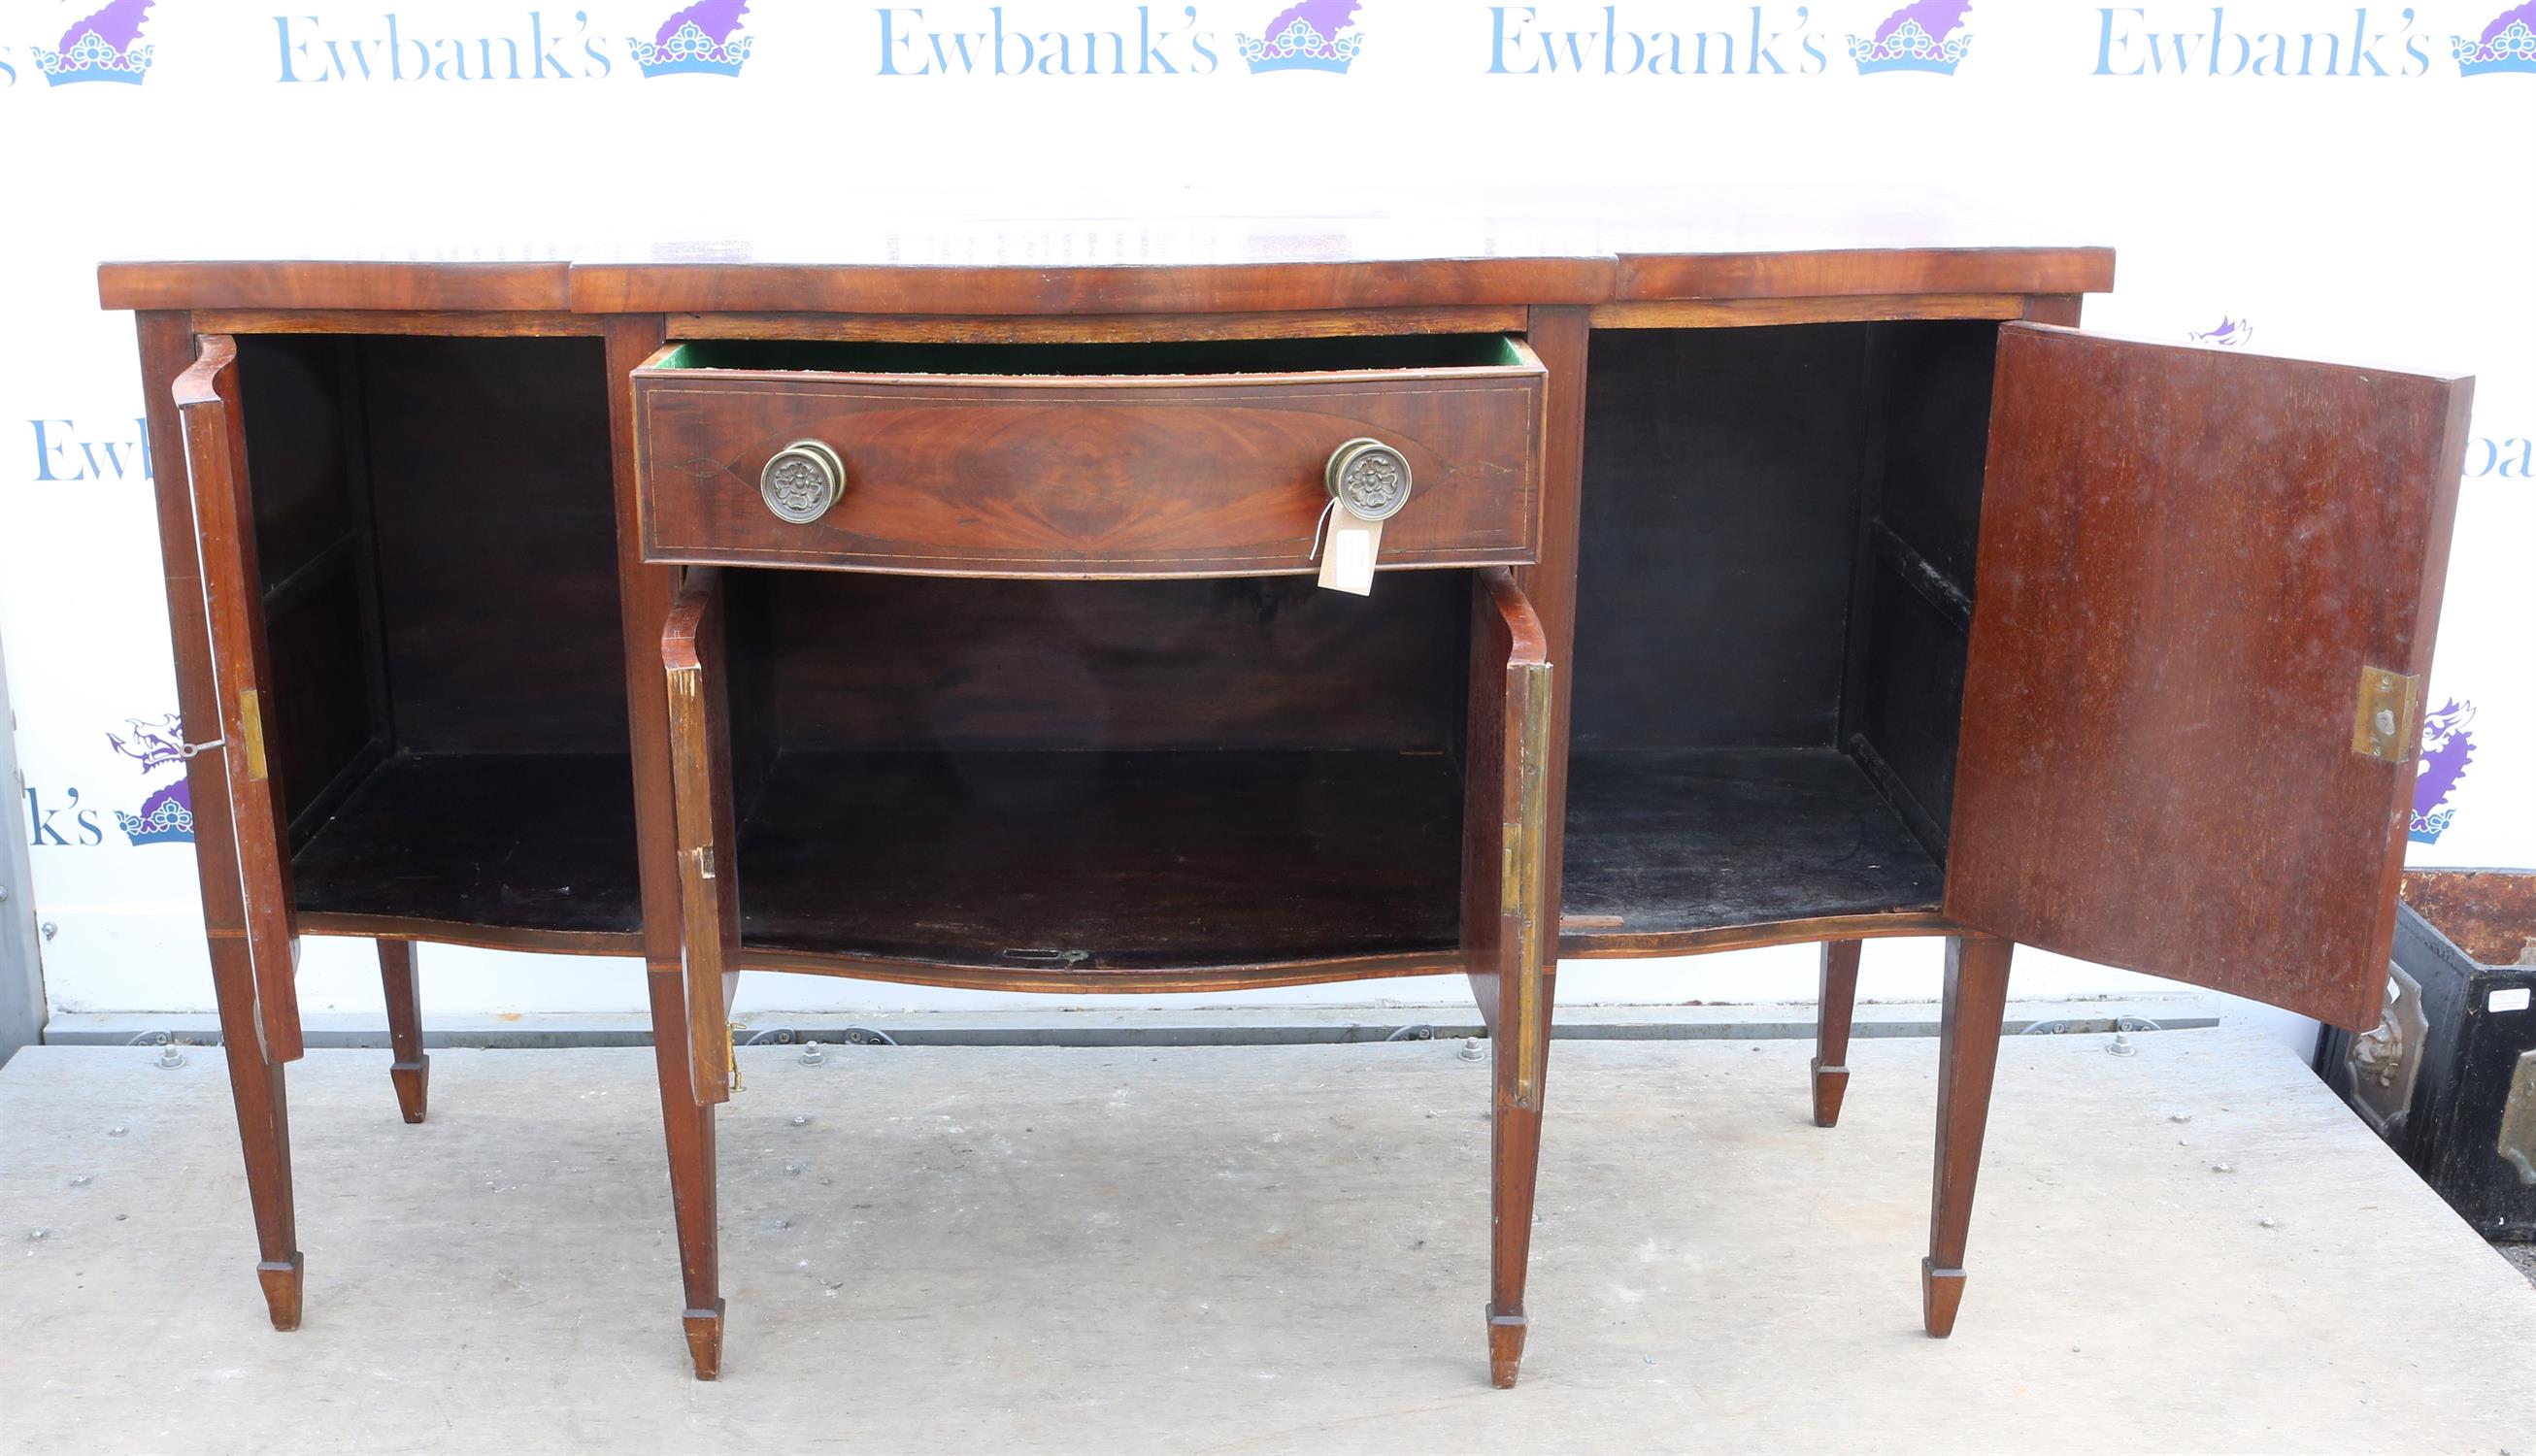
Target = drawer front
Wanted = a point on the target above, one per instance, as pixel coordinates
(1112, 475)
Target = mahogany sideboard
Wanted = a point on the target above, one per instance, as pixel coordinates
(938, 602)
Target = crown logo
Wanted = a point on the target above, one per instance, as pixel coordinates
(1920, 36)
(165, 818)
(696, 41)
(1297, 40)
(2508, 43)
(104, 46)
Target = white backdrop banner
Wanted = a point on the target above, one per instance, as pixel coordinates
(2331, 181)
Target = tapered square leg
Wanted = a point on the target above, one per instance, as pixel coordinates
(264, 1131)
(1516, 1180)
(254, 1060)
(1941, 1294)
(689, 1129)
(413, 1080)
(1839, 1005)
(281, 1280)
(1976, 1004)
(704, 1339)
(1506, 1347)
(411, 1069)
(1510, 917)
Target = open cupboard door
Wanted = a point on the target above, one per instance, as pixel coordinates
(207, 403)
(691, 651)
(2207, 593)
(1504, 818)
(1507, 923)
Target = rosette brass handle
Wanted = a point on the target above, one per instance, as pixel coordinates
(1369, 478)
(802, 480)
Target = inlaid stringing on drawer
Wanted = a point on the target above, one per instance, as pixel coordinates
(1064, 475)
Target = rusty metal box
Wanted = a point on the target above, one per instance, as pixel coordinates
(2448, 1076)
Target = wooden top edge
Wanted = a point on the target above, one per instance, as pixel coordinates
(1850, 272)
(1065, 248)
(382, 284)
(1025, 290)
(961, 290)
(975, 290)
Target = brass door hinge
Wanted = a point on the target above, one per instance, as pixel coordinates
(251, 732)
(2390, 716)
(1528, 834)
(1514, 857)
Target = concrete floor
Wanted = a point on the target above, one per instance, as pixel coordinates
(1248, 1249)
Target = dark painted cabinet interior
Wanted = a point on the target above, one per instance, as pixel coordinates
(1096, 775)
(1774, 596)
(1774, 603)
(436, 531)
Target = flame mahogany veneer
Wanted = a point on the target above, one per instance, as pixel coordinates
(1778, 568)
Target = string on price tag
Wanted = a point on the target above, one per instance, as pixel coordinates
(1354, 543)
(1368, 481)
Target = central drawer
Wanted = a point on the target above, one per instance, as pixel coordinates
(1197, 459)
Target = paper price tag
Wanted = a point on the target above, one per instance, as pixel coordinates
(1347, 563)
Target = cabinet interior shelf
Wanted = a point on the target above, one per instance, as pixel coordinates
(1679, 842)
(1104, 861)
(1140, 860)
(537, 844)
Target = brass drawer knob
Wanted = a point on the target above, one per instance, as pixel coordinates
(1369, 478)
(802, 480)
